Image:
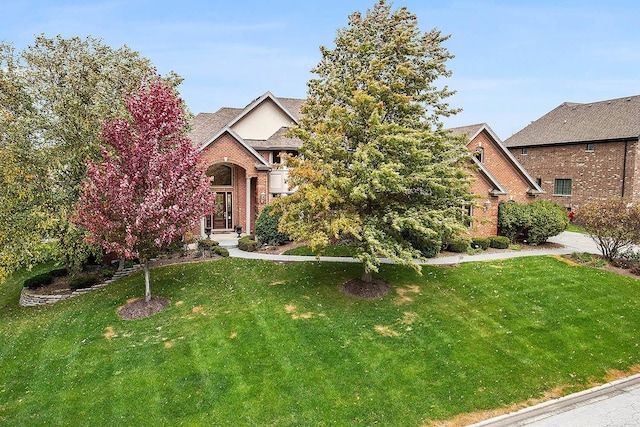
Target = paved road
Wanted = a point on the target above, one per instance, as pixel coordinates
(615, 404)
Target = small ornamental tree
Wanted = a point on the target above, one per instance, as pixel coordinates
(148, 190)
(612, 224)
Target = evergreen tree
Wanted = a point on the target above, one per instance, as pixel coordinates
(375, 167)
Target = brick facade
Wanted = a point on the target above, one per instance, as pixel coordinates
(606, 171)
(228, 151)
(497, 177)
(594, 145)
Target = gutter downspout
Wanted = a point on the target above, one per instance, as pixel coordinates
(624, 167)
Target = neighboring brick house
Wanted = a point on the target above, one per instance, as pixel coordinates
(239, 148)
(498, 177)
(579, 152)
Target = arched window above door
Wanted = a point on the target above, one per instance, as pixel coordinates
(219, 175)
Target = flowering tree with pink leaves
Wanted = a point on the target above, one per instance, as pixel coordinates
(148, 190)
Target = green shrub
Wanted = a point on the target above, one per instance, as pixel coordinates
(499, 242)
(107, 273)
(513, 220)
(430, 249)
(480, 243)
(218, 250)
(547, 219)
(207, 244)
(83, 281)
(38, 281)
(267, 228)
(458, 245)
(247, 244)
(534, 222)
(58, 272)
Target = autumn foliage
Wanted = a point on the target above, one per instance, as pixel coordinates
(148, 190)
(613, 224)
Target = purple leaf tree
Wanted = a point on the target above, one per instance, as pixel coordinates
(149, 189)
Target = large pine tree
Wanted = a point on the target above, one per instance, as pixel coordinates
(375, 167)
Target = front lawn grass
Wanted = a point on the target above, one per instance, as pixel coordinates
(576, 228)
(247, 342)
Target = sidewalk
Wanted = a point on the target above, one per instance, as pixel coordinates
(572, 242)
(616, 404)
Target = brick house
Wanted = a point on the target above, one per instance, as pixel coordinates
(239, 148)
(582, 151)
(498, 177)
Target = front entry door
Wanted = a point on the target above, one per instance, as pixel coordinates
(223, 219)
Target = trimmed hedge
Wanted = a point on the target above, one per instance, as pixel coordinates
(499, 242)
(480, 243)
(38, 281)
(83, 281)
(458, 246)
(218, 250)
(534, 222)
(247, 244)
(267, 228)
(207, 244)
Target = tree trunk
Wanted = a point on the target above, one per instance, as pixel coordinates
(367, 277)
(147, 288)
(121, 264)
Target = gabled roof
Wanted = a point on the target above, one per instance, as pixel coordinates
(498, 189)
(206, 127)
(206, 124)
(571, 122)
(474, 130)
(261, 163)
(256, 102)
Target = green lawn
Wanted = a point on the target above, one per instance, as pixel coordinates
(259, 343)
(576, 228)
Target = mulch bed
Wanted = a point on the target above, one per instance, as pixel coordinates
(368, 290)
(139, 308)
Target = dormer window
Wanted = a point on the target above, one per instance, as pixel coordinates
(480, 154)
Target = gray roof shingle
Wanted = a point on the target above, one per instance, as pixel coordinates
(572, 122)
(205, 125)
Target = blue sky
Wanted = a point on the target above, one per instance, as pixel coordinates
(515, 60)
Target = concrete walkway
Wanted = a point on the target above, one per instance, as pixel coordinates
(616, 404)
(572, 242)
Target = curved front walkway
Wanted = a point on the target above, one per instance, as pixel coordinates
(572, 242)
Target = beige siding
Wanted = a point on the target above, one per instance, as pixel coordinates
(265, 120)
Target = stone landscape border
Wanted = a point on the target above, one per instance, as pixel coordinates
(31, 298)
